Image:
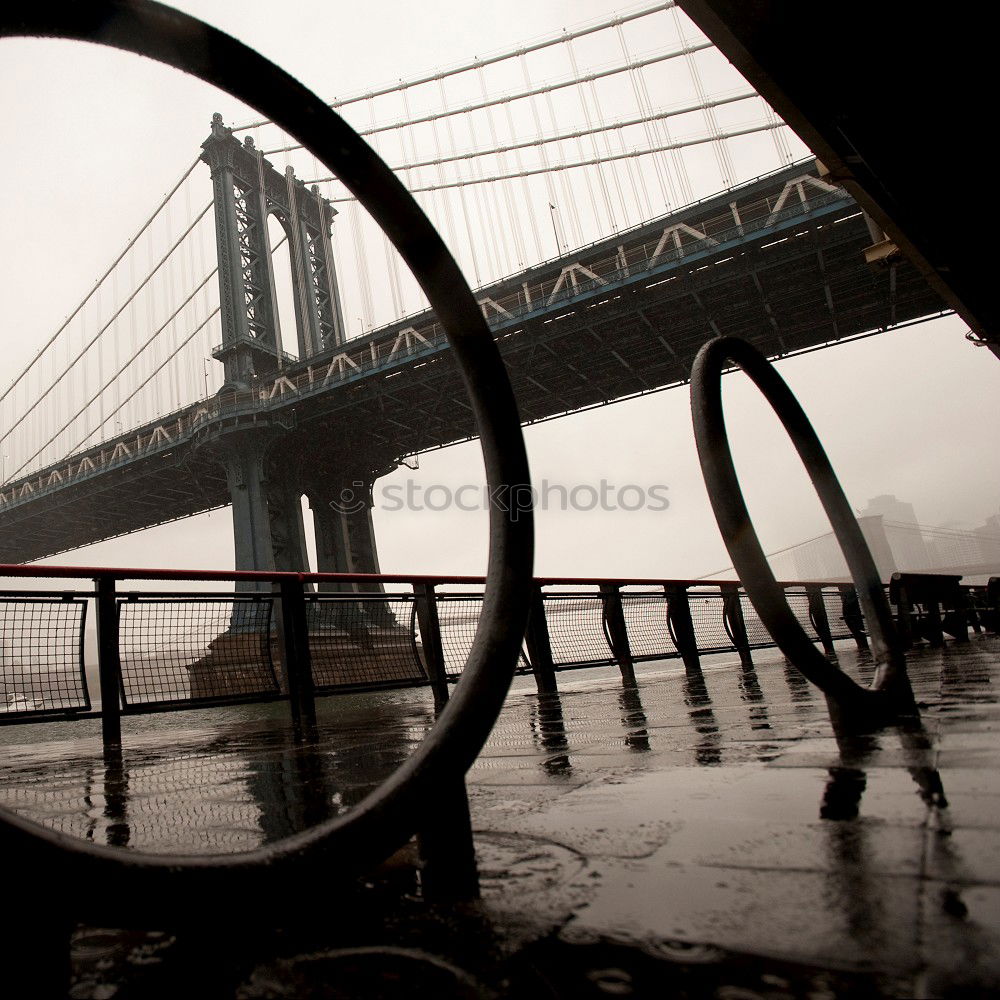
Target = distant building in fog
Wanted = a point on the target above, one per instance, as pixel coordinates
(899, 543)
(909, 550)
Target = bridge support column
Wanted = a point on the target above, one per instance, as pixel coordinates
(345, 541)
(288, 531)
(251, 518)
(244, 461)
(345, 534)
(268, 530)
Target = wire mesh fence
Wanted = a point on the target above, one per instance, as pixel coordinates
(646, 623)
(363, 640)
(708, 621)
(576, 630)
(798, 601)
(458, 616)
(207, 647)
(834, 604)
(184, 649)
(757, 633)
(41, 653)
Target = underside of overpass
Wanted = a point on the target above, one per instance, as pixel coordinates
(890, 98)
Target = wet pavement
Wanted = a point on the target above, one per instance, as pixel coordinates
(706, 835)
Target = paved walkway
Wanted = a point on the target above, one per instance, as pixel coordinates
(704, 836)
(725, 816)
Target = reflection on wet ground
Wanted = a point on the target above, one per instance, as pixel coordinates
(240, 780)
(708, 832)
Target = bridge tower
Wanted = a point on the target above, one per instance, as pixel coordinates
(267, 474)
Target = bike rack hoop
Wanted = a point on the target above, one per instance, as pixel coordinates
(380, 824)
(768, 598)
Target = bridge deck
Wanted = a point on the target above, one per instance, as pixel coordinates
(779, 262)
(698, 835)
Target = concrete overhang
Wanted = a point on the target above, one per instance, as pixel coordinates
(893, 98)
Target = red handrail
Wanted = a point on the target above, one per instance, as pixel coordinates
(263, 576)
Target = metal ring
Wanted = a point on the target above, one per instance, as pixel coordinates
(744, 546)
(387, 817)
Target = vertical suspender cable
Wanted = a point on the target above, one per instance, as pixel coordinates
(445, 198)
(587, 172)
(471, 253)
(569, 198)
(487, 222)
(721, 152)
(588, 118)
(504, 192)
(644, 105)
(550, 190)
(525, 191)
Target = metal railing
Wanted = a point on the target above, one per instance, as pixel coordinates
(161, 650)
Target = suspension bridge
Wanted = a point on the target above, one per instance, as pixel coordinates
(258, 339)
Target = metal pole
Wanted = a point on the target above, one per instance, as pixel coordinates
(536, 638)
(681, 626)
(819, 617)
(108, 660)
(732, 610)
(430, 640)
(614, 618)
(555, 232)
(853, 618)
(297, 660)
(448, 869)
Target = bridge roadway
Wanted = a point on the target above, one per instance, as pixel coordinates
(779, 261)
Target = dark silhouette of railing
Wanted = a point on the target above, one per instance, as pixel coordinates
(161, 650)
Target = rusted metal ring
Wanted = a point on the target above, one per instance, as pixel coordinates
(744, 546)
(389, 815)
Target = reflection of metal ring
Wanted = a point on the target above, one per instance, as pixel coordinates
(389, 815)
(741, 540)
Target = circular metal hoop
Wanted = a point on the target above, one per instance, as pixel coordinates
(389, 815)
(744, 546)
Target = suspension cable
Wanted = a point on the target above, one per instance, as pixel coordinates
(187, 340)
(487, 61)
(149, 343)
(128, 246)
(626, 155)
(97, 336)
(521, 95)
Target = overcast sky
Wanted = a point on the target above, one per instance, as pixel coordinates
(94, 138)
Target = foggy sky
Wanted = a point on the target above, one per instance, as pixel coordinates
(910, 412)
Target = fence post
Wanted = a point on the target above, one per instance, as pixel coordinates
(933, 632)
(536, 638)
(681, 626)
(819, 617)
(853, 618)
(732, 610)
(108, 660)
(444, 837)
(973, 610)
(992, 617)
(614, 618)
(297, 659)
(904, 610)
(430, 640)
